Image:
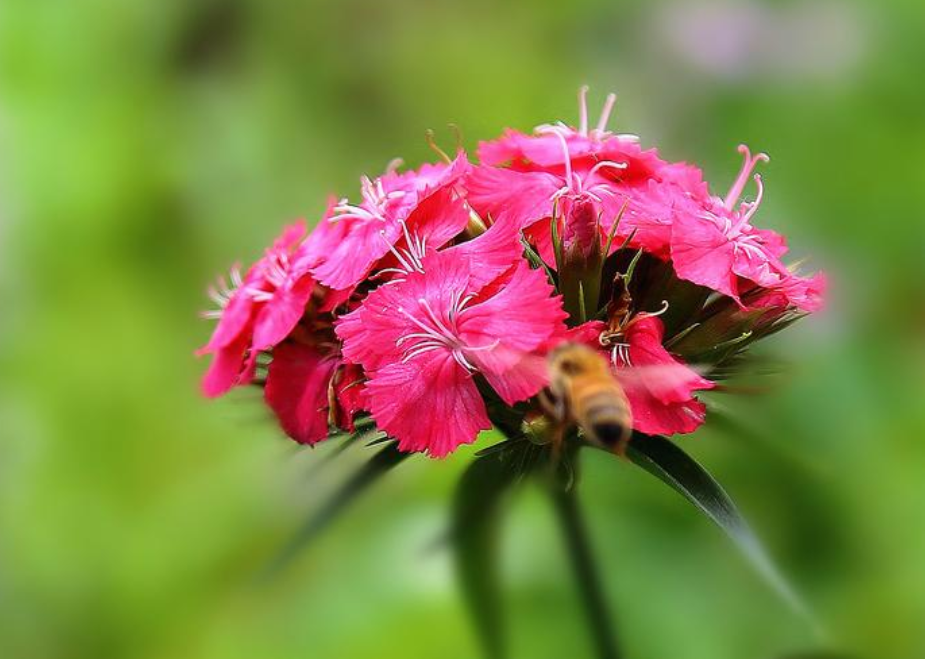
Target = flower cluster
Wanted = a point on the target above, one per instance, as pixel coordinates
(431, 301)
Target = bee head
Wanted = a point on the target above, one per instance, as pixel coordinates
(571, 358)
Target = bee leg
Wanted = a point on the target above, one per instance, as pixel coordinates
(553, 406)
(557, 439)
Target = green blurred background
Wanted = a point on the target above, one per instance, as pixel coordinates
(145, 146)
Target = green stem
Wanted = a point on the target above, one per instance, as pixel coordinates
(589, 582)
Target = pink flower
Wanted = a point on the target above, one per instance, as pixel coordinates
(525, 199)
(714, 244)
(388, 307)
(579, 172)
(660, 388)
(435, 221)
(423, 340)
(257, 313)
(352, 238)
(584, 146)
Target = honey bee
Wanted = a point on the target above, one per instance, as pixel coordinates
(584, 391)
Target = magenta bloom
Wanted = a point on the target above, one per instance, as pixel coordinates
(714, 244)
(660, 388)
(422, 341)
(552, 146)
(577, 172)
(352, 238)
(429, 306)
(258, 313)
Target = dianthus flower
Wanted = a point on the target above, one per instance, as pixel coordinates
(256, 312)
(423, 341)
(435, 299)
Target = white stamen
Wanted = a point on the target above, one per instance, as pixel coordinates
(653, 314)
(438, 334)
(460, 358)
(583, 110)
(415, 252)
(605, 115)
(216, 297)
(433, 317)
(430, 335)
(620, 355)
(566, 158)
(421, 349)
(606, 163)
(396, 253)
(259, 295)
(747, 167)
(222, 293)
(752, 207)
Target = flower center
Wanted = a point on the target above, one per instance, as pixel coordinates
(440, 333)
(410, 257)
(576, 186)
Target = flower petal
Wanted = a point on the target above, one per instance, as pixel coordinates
(439, 218)
(350, 394)
(297, 390)
(373, 333)
(490, 254)
(281, 313)
(658, 386)
(429, 404)
(235, 322)
(501, 330)
(702, 254)
(507, 195)
(228, 368)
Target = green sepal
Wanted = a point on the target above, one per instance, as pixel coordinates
(671, 465)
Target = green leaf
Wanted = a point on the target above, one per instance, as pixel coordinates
(667, 462)
(475, 529)
(367, 475)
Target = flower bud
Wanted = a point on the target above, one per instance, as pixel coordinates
(582, 260)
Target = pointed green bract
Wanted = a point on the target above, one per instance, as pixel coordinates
(667, 462)
(367, 475)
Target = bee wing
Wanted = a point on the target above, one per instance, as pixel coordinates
(666, 382)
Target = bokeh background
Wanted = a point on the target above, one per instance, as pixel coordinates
(146, 146)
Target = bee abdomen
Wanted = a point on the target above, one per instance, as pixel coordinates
(606, 417)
